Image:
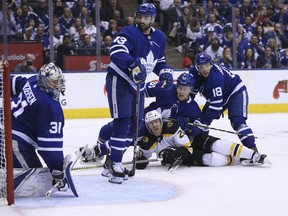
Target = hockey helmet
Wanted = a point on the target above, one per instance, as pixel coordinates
(203, 58)
(51, 80)
(151, 116)
(147, 9)
(186, 79)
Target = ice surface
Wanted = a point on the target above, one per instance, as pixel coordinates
(194, 191)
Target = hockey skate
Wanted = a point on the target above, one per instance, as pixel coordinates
(117, 173)
(91, 154)
(257, 159)
(106, 167)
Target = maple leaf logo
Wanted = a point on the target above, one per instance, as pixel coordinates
(149, 62)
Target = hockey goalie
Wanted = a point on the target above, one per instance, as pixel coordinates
(282, 86)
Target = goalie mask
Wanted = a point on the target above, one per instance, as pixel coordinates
(154, 127)
(51, 80)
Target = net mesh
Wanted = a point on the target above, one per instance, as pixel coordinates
(3, 171)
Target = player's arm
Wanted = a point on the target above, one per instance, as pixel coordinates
(16, 84)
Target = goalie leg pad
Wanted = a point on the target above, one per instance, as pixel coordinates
(33, 182)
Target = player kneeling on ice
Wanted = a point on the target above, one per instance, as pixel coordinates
(37, 124)
(170, 143)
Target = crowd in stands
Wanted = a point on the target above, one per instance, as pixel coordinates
(191, 26)
(261, 31)
(74, 29)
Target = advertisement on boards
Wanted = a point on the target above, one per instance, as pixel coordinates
(18, 50)
(85, 63)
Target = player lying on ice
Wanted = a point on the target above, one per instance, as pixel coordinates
(37, 124)
(170, 143)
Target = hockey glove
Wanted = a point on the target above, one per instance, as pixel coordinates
(59, 178)
(141, 157)
(183, 123)
(169, 156)
(197, 128)
(166, 78)
(138, 71)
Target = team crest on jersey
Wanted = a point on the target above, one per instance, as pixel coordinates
(169, 124)
(145, 139)
(149, 62)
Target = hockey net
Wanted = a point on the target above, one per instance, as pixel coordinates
(6, 162)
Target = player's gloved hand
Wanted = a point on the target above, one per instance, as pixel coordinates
(166, 78)
(198, 127)
(138, 71)
(169, 155)
(60, 179)
(183, 123)
(141, 157)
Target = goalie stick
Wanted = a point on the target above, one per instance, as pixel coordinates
(68, 176)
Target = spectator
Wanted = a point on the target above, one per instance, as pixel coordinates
(105, 45)
(76, 8)
(280, 38)
(112, 28)
(245, 8)
(41, 9)
(249, 28)
(75, 29)
(66, 48)
(110, 8)
(215, 50)
(266, 60)
(57, 37)
(283, 57)
(213, 23)
(103, 15)
(40, 36)
(26, 65)
(84, 15)
(19, 19)
(59, 8)
(173, 15)
(10, 23)
(90, 28)
(129, 21)
(249, 61)
(67, 18)
(257, 48)
(86, 47)
(201, 16)
(27, 15)
(226, 60)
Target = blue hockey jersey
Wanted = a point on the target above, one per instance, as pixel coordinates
(217, 88)
(37, 119)
(130, 44)
(171, 107)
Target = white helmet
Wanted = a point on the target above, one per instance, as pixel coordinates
(51, 80)
(151, 116)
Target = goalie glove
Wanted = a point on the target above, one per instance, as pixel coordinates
(138, 71)
(282, 86)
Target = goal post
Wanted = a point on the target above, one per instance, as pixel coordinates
(6, 154)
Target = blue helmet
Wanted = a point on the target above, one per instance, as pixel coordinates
(202, 58)
(148, 9)
(186, 79)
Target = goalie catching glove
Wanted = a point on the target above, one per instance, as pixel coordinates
(138, 71)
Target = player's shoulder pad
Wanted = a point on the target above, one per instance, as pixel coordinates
(170, 127)
(147, 141)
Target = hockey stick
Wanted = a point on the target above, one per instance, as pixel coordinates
(54, 188)
(212, 128)
(137, 117)
(124, 163)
